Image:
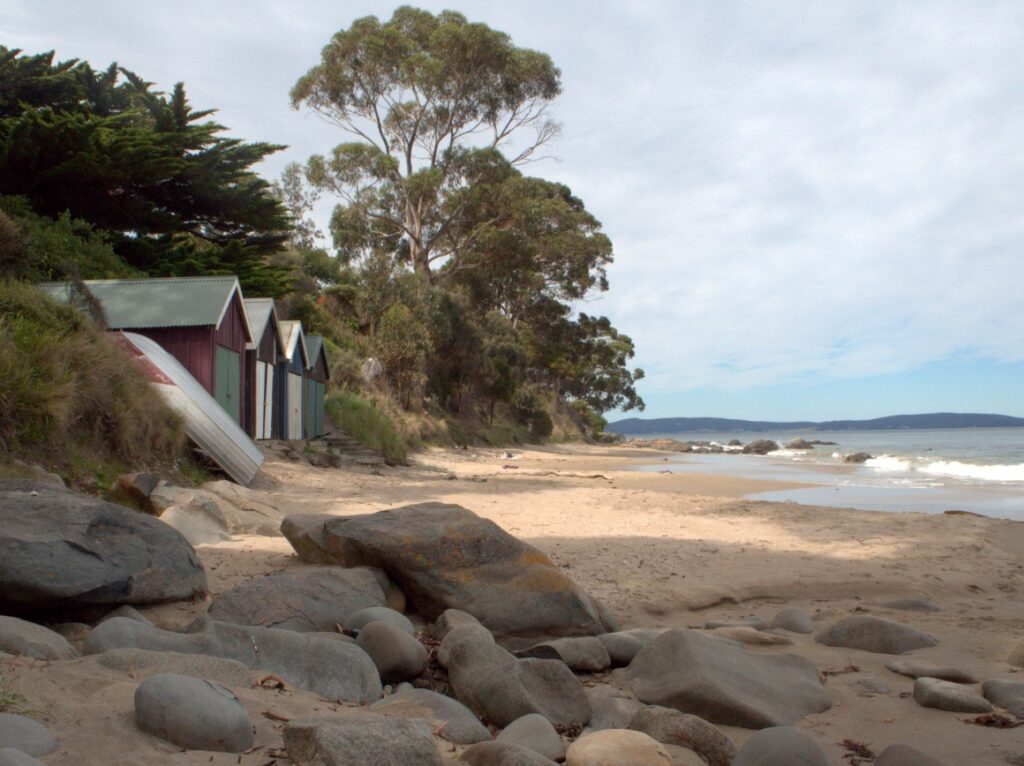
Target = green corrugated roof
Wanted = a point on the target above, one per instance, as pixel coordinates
(314, 345)
(258, 311)
(171, 302)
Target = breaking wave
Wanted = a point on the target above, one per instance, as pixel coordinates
(953, 468)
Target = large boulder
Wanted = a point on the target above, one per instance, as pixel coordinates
(452, 720)
(873, 634)
(336, 670)
(192, 713)
(499, 687)
(305, 599)
(367, 739)
(62, 551)
(445, 556)
(31, 640)
(724, 683)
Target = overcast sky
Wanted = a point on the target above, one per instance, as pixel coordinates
(816, 206)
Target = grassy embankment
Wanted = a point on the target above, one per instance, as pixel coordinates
(73, 402)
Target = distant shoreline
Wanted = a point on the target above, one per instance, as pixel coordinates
(927, 421)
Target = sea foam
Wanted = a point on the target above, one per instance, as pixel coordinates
(975, 471)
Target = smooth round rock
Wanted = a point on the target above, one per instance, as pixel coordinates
(945, 695)
(670, 727)
(913, 669)
(781, 746)
(617, 747)
(451, 719)
(757, 623)
(1016, 656)
(496, 753)
(25, 734)
(31, 640)
(793, 619)
(583, 655)
(913, 604)
(905, 755)
(873, 634)
(870, 685)
(11, 757)
(535, 732)
(1006, 694)
(397, 655)
(361, 618)
(449, 620)
(192, 713)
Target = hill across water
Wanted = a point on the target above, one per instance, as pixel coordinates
(632, 426)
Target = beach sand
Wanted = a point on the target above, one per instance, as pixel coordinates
(660, 550)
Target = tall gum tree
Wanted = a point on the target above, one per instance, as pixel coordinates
(423, 95)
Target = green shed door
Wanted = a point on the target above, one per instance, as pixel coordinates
(227, 389)
(313, 408)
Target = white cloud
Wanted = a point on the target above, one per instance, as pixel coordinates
(796, 191)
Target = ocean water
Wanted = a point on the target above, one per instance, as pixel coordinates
(931, 470)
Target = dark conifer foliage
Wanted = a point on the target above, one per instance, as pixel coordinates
(172, 193)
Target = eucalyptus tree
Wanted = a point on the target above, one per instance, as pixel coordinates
(422, 96)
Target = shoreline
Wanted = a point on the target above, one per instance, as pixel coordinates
(659, 551)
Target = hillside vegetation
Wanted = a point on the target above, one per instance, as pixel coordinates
(459, 275)
(71, 399)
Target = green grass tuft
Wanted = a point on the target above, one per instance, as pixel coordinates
(368, 424)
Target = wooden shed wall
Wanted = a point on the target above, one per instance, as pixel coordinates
(231, 333)
(192, 346)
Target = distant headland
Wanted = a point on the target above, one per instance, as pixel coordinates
(631, 426)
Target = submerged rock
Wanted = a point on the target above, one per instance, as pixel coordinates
(760, 447)
(445, 556)
(858, 457)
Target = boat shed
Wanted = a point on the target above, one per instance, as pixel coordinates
(291, 371)
(200, 321)
(315, 392)
(261, 361)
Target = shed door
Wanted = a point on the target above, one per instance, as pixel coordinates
(264, 394)
(227, 389)
(268, 404)
(294, 406)
(314, 408)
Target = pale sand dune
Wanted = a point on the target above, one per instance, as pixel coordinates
(660, 551)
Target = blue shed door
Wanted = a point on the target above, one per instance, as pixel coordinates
(227, 389)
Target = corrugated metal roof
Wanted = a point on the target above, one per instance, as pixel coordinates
(206, 422)
(314, 345)
(259, 311)
(291, 331)
(165, 302)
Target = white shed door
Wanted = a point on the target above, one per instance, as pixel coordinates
(268, 403)
(294, 406)
(264, 396)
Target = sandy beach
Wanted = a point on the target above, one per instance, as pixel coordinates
(660, 550)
